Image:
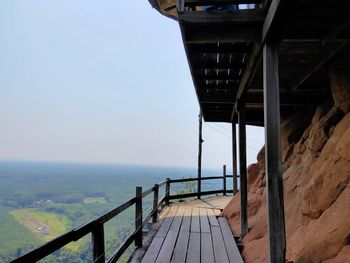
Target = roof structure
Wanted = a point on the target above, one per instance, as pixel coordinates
(224, 51)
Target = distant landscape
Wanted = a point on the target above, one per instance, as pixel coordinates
(40, 201)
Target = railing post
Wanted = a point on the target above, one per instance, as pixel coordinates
(167, 191)
(224, 180)
(138, 217)
(199, 188)
(98, 243)
(155, 203)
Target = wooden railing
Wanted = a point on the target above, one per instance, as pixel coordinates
(96, 227)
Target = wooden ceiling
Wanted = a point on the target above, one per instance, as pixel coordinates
(224, 51)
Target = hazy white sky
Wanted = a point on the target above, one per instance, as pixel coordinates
(101, 81)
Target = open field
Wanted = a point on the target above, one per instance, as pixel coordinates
(39, 201)
(45, 226)
(94, 200)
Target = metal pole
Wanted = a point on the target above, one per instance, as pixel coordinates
(234, 159)
(199, 182)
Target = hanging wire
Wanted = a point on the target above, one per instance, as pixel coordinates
(258, 144)
(228, 136)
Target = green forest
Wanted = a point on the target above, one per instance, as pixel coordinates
(40, 201)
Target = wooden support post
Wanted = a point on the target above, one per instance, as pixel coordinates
(98, 243)
(167, 191)
(243, 169)
(180, 4)
(138, 217)
(224, 180)
(155, 203)
(276, 224)
(234, 159)
(199, 182)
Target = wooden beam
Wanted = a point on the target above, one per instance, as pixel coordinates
(232, 76)
(330, 51)
(276, 221)
(214, 87)
(339, 26)
(249, 72)
(243, 169)
(288, 99)
(219, 96)
(330, 46)
(220, 2)
(209, 65)
(278, 15)
(222, 49)
(182, 29)
(219, 102)
(270, 18)
(274, 22)
(240, 17)
(222, 33)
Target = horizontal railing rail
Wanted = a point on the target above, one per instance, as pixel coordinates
(96, 226)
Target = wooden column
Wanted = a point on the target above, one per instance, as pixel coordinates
(155, 203)
(167, 191)
(276, 225)
(138, 217)
(234, 159)
(200, 139)
(224, 179)
(243, 169)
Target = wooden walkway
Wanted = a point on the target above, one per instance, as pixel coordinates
(193, 232)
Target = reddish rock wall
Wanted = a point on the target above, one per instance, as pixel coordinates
(316, 164)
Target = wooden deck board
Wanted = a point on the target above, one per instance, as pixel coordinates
(164, 228)
(193, 233)
(204, 222)
(170, 240)
(180, 250)
(212, 218)
(194, 249)
(219, 246)
(157, 242)
(207, 252)
(195, 223)
(153, 250)
(231, 247)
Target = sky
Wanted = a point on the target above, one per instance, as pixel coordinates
(101, 81)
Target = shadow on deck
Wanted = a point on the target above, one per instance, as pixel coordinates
(190, 231)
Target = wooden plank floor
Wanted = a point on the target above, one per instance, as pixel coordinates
(193, 232)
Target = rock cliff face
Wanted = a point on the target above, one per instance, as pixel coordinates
(316, 164)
